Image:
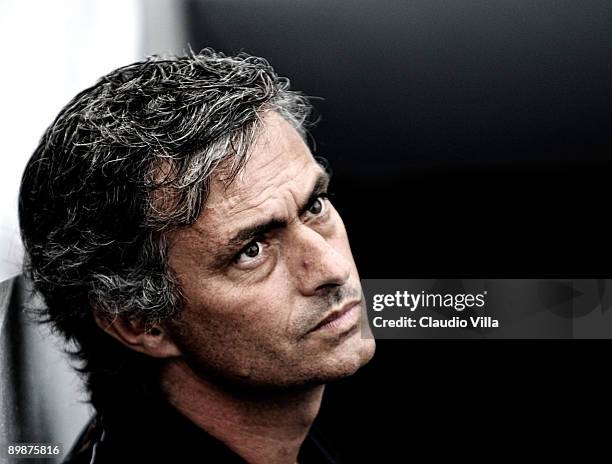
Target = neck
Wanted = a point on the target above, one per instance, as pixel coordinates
(260, 427)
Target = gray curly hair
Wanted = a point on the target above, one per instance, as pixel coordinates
(127, 160)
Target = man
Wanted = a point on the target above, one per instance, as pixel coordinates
(180, 232)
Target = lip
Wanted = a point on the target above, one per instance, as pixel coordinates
(335, 315)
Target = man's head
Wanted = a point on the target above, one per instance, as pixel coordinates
(176, 207)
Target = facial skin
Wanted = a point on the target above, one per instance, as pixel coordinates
(252, 304)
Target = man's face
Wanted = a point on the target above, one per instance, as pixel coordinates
(266, 263)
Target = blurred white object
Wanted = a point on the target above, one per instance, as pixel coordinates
(41, 398)
(52, 51)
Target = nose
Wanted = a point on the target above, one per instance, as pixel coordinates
(316, 263)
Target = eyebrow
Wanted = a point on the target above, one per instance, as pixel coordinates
(248, 233)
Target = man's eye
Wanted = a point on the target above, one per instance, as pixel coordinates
(317, 207)
(249, 252)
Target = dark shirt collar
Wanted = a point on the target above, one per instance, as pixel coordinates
(158, 432)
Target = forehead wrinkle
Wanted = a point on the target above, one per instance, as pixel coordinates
(286, 194)
(278, 139)
(241, 196)
(249, 194)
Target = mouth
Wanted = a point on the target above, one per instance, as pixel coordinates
(339, 319)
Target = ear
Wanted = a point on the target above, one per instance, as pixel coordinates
(152, 340)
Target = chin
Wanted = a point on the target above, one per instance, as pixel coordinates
(349, 361)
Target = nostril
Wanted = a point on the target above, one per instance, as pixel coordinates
(326, 288)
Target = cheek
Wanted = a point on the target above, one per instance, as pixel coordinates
(239, 334)
(255, 312)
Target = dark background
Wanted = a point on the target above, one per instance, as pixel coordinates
(468, 139)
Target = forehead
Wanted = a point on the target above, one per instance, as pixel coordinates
(278, 175)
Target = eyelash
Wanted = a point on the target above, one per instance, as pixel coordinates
(321, 196)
